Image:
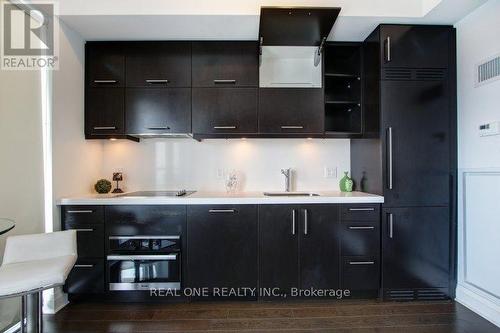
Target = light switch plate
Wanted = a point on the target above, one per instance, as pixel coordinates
(330, 172)
(490, 129)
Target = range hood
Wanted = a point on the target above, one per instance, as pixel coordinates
(291, 44)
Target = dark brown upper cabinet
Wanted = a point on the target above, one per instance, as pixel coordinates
(224, 110)
(158, 110)
(158, 64)
(225, 64)
(415, 46)
(104, 112)
(291, 111)
(105, 64)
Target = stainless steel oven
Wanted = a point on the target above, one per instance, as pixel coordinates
(144, 262)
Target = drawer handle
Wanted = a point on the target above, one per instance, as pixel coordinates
(158, 128)
(84, 266)
(83, 230)
(85, 211)
(361, 262)
(361, 228)
(97, 128)
(105, 81)
(224, 127)
(143, 257)
(157, 81)
(361, 209)
(143, 237)
(224, 81)
(306, 225)
(222, 211)
(292, 127)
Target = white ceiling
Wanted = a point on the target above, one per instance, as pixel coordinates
(239, 20)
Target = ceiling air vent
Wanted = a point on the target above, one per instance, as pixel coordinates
(488, 71)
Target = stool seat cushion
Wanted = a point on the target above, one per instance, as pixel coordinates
(24, 276)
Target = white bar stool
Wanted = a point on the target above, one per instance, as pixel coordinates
(33, 263)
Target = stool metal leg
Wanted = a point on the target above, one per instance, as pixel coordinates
(23, 313)
(34, 313)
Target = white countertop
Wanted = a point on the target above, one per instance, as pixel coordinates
(223, 198)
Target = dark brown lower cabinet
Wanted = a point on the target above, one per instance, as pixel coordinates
(361, 275)
(86, 277)
(416, 252)
(222, 248)
(299, 247)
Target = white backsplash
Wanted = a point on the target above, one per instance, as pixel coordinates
(159, 164)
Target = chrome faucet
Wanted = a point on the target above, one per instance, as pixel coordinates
(288, 179)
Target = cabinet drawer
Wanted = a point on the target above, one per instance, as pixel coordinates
(218, 64)
(369, 212)
(360, 274)
(83, 214)
(360, 239)
(86, 277)
(224, 110)
(89, 239)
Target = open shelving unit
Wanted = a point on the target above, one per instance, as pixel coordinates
(343, 88)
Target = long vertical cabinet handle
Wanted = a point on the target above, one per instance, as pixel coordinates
(391, 225)
(389, 159)
(388, 56)
(293, 222)
(305, 222)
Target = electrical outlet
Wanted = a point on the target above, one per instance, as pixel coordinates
(220, 173)
(490, 129)
(330, 172)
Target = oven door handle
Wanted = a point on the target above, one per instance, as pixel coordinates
(144, 257)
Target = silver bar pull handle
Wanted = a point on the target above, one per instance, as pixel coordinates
(100, 128)
(83, 266)
(224, 81)
(361, 228)
(292, 127)
(224, 127)
(84, 211)
(388, 57)
(391, 225)
(143, 257)
(222, 211)
(159, 128)
(83, 230)
(305, 222)
(293, 221)
(361, 262)
(105, 81)
(361, 209)
(150, 81)
(390, 170)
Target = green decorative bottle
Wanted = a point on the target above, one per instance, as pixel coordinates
(346, 183)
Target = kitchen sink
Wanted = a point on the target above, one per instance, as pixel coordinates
(290, 194)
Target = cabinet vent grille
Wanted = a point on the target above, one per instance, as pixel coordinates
(415, 294)
(397, 74)
(408, 74)
(488, 71)
(430, 74)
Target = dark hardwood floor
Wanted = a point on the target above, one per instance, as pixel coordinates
(322, 316)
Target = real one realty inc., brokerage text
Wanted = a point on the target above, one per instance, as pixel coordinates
(249, 292)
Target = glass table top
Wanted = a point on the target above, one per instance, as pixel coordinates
(6, 225)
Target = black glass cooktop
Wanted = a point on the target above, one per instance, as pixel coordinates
(181, 193)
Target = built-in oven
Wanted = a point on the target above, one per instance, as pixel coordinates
(144, 263)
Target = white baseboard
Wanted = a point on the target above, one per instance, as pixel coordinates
(481, 305)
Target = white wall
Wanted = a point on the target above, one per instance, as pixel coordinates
(479, 166)
(185, 163)
(21, 162)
